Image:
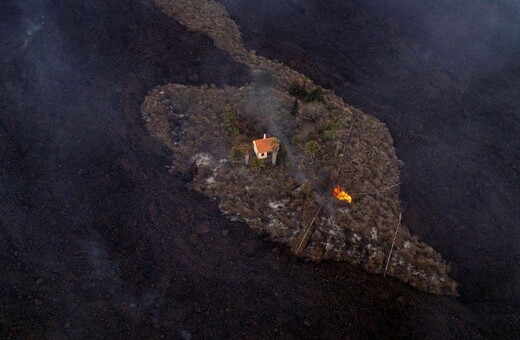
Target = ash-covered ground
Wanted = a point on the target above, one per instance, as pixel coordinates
(98, 239)
(291, 200)
(445, 78)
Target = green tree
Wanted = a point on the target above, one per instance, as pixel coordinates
(299, 90)
(235, 155)
(230, 120)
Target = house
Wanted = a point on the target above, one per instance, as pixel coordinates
(263, 146)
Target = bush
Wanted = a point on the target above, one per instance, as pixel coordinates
(230, 120)
(329, 135)
(316, 95)
(298, 90)
(331, 127)
(312, 149)
(257, 164)
(313, 111)
(236, 155)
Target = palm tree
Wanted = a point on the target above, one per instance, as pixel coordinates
(235, 155)
(312, 149)
(245, 150)
(275, 146)
(257, 164)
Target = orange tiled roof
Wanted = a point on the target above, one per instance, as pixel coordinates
(264, 144)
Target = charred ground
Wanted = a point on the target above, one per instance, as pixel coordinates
(97, 238)
(443, 78)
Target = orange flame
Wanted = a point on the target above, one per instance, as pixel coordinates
(341, 195)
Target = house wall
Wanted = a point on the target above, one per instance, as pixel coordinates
(259, 155)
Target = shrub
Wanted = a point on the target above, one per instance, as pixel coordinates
(312, 149)
(230, 120)
(236, 155)
(313, 111)
(316, 95)
(257, 164)
(298, 90)
(335, 123)
(331, 127)
(329, 135)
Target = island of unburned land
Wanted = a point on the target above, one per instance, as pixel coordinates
(320, 143)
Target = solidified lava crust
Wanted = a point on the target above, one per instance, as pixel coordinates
(99, 240)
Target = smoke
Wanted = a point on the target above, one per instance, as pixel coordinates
(443, 76)
(265, 107)
(468, 39)
(106, 276)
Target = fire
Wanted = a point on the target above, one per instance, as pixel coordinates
(341, 195)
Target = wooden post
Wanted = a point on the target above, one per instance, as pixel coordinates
(392, 247)
(305, 234)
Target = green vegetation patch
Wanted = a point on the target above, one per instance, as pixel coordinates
(299, 90)
(230, 120)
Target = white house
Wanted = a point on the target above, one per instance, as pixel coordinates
(263, 146)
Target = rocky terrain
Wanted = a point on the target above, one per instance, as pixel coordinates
(353, 148)
(100, 240)
(443, 79)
